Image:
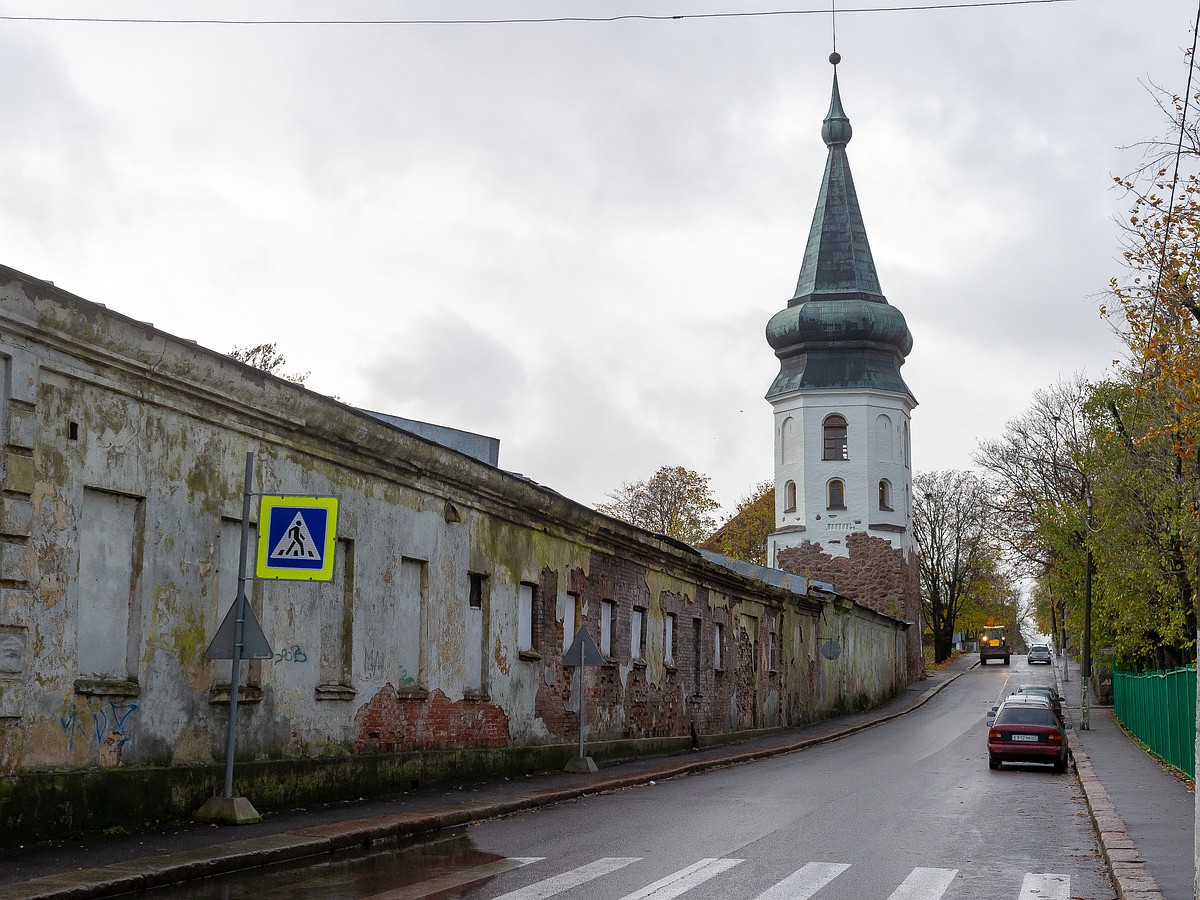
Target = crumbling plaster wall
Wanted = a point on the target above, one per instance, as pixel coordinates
(103, 413)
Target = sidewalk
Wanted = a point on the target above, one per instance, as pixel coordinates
(105, 865)
(1144, 814)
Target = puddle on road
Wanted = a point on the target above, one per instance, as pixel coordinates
(442, 868)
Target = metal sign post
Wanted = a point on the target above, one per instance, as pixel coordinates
(228, 809)
(582, 653)
(296, 540)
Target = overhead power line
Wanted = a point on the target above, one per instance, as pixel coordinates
(105, 20)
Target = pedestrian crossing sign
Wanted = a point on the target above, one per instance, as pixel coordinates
(296, 538)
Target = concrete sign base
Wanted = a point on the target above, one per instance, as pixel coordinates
(227, 811)
(580, 765)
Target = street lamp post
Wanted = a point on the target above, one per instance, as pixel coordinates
(1085, 667)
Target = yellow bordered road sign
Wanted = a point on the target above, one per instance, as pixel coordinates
(297, 537)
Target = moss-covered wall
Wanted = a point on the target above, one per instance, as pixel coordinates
(413, 646)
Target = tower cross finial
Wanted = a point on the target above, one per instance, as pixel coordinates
(833, 23)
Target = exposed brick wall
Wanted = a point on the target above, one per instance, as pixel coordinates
(657, 702)
(392, 722)
(875, 574)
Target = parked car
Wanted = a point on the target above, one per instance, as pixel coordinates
(1040, 653)
(1042, 690)
(1027, 730)
(1025, 700)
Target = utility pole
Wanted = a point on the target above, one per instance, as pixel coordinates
(1085, 667)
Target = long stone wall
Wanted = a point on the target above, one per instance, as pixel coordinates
(120, 506)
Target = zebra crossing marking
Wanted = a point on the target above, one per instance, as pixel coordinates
(453, 880)
(1045, 886)
(548, 887)
(684, 880)
(924, 884)
(805, 882)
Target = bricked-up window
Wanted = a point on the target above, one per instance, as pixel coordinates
(475, 637)
(885, 495)
(608, 621)
(227, 589)
(837, 444)
(108, 634)
(637, 633)
(789, 497)
(772, 651)
(525, 600)
(697, 652)
(837, 494)
(718, 635)
(570, 620)
(669, 639)
(412, 588)
(335, 600)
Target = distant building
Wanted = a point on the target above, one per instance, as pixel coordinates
(843, 468)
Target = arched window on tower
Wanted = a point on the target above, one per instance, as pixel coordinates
(885, 495)
(837, 494)
(837, 445)
(789, 497)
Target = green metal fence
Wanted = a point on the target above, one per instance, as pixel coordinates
(1159, 708)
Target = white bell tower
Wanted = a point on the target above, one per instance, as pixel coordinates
(842, 409)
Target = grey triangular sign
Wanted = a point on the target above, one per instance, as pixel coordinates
(583, 651)
(254, 642)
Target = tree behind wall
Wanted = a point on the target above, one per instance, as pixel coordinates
(674, 501)
(744, 535)
(268, 358)
(959, 563)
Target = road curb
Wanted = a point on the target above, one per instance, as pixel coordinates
(318, 840)
(1125, 864)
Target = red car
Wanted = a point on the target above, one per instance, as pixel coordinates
(1027, 733)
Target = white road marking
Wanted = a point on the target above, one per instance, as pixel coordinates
(804, 883)
(567, 880)
(1045, 887)
(683, 880)
(456, 879)
(924, 884)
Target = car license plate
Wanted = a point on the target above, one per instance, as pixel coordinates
(1025, 737)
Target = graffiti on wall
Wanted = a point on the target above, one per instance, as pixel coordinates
(105, 725)
(291, 654)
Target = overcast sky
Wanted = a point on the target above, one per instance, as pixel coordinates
(571, 236)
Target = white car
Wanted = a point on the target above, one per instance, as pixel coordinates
(1040, 653)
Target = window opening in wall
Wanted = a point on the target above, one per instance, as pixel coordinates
(669, 639)
(772, 651)
(697, 652)
(837, 494)
(607, 623)
(525, 598)
(475, 595)
(837, 445)
(72, 431)
(637, 632)
(885, 495)
(718, 634)
(789, 497)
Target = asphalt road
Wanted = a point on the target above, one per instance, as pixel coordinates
(905, 811)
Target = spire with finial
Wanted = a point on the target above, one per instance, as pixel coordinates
(838, 329)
